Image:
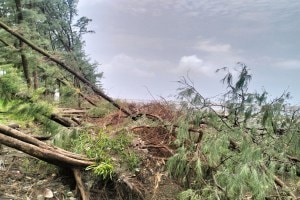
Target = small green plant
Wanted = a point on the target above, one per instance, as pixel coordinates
(104, 169)
(132, 160)
(189, 195)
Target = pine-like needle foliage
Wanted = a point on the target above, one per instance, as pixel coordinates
(247, 141)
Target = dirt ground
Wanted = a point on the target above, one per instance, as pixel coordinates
(25, 177)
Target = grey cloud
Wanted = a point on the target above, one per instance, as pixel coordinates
(154, 42)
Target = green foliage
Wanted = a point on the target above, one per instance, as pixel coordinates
(11, 83)
(101, 110)
(178, 165)
(40, 167)
(189, 195)
(248, 140)
(104, 169)
(110, 150)
(51, 25)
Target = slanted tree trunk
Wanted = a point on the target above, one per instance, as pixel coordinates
(79, 93)
(67, 68)
(8, 131)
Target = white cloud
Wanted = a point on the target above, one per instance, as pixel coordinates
(193, 65)
(212, 47)
(288, 64)
(217, 54)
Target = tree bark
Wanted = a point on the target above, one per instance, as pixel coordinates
(35, 79)
(43, 154)
(24, 60)
(84, 194)
(5, 130)
(62, 121)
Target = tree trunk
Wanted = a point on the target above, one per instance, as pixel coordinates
(80, 93)
(35, 79)
(62, 121)
(41, 150)
(24, 60)
(43, 154)
(32, 140)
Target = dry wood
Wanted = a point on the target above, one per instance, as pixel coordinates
(62, 121)
(72, 111)
(43, 154)
(31, 140)
(40, 137)
(76, 120)
(295, 159)
(77, 174)
(280, 183)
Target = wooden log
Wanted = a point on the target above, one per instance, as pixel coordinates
(43, 154)
(31, 140)
(62, 121)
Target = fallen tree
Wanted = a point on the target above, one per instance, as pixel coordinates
(34, 147)
(65, 67)
(43, 151)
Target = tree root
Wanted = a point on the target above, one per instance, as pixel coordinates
(77, 175)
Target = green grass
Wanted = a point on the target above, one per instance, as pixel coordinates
(109, 152)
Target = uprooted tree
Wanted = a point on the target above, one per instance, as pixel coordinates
(249, 149)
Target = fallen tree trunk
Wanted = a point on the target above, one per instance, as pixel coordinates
(62, 121)
(7, 131)
(44, 154)
(65, 67)
(80, 93)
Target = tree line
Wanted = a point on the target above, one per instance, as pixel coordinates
(55, 27)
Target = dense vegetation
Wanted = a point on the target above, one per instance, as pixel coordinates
(55, 27)
(249, 142)
(239, 146)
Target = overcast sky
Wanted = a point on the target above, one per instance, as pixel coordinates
(149, 44)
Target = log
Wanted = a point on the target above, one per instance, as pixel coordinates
(44, 154)
(31, 140)
(73, 111)
(62, 121)
(41, 137)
